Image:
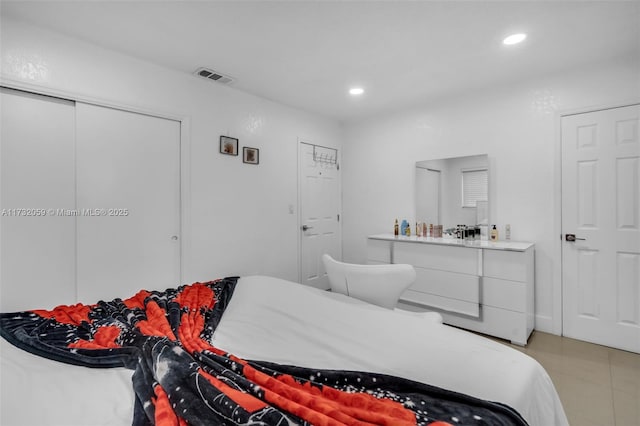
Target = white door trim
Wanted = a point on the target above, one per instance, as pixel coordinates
(185, 151)
(583, 110)
(557, 291)
(298, 207)
(553, 323)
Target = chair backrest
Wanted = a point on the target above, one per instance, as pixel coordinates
(381, 285)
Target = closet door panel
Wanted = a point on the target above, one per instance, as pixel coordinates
(37, 232)
(128, 180)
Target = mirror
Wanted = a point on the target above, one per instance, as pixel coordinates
(452, 191)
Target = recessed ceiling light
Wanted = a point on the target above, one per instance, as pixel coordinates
(514, 39)
(356, 91)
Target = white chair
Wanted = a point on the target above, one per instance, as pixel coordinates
(380, 285)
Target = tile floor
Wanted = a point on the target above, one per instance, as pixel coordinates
(598, 385)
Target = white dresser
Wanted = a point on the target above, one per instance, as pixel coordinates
(483, 286)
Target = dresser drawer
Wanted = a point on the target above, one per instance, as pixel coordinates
(378, 251)
(508, 265)
(504, 294)
(447, 284)
(445, 290)
(455, 259)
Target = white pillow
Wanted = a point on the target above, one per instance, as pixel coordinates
(380, 285)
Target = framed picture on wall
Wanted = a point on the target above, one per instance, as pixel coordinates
(250, 155)
(228, 145)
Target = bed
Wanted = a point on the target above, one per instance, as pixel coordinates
(303, 330)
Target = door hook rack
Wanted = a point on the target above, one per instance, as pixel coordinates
(323, 154)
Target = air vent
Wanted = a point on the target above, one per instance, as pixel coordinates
(213, 75)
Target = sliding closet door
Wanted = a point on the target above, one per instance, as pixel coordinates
(37, 247)
(128, 178)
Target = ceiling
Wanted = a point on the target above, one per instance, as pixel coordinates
(307, 54)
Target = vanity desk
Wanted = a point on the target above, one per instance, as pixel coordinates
(482, 286)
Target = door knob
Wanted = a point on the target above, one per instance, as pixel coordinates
(572, 237)
(174, 238)
(305, 227)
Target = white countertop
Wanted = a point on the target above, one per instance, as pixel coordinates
(492, 245)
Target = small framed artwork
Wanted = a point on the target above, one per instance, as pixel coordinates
(250, 155)
(228, 145)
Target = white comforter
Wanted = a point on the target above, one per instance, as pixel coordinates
(275, 320)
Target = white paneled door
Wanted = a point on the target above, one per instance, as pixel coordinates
(128, 171)
(319, 212)
(601, 227)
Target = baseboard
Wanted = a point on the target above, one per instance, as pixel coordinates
(544, 323)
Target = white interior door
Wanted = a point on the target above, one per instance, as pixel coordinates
(319, 212)
(128, 171)
(601, 207)
(37, 247)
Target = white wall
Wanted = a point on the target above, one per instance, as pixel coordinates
(516, 125)
(238, 215)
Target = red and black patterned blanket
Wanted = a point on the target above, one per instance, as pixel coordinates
(181, 379)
